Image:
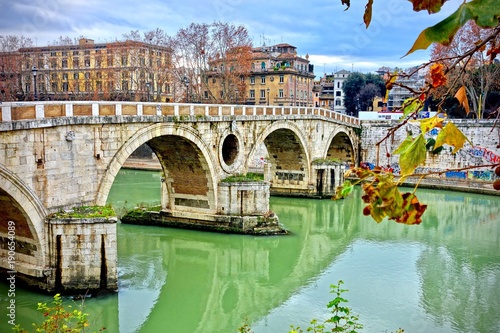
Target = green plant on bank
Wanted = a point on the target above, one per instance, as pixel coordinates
(249, 177)
(342, 320)
(59, 318)
(80, 212)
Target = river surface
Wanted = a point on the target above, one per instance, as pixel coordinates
(440, 276)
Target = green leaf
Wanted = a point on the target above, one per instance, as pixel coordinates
(343, 191)
(411, 105)
(412, 153)
(452, 136)
(484, 12)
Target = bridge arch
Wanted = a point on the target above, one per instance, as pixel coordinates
(21, 205)
(288, 153)
(341, 146)
(167, 141)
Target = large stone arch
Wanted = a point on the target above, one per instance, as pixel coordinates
(187, 135)
(19, 204)
(285, 150)
(341, 146)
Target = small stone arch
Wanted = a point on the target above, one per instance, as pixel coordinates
(146, 134)
(25, 205)
(301, 141)
(331, 151)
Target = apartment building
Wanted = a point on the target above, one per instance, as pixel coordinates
(276, 76)
(329, 91)
(125, 70)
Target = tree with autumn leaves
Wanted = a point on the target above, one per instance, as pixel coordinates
(450, 74)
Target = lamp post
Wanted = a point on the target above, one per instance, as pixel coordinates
(185, 80)
(268, 95)
(148, 86)
(34, 71)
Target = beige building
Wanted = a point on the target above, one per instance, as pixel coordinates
(128, 70)
(277, 76)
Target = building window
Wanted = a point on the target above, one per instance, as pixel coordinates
(338, 102)
(263, 66)
(64, 53)
(87, 62)
(252, 94)
(338, 93)
(124, 85)
(252, 79)
(87, 75)
(280, 93)
(110, 61)
(86, 52)
(262, 80)
(75, 76)
(75, 53)
(53, 54)
(124, 60)
(75, 63)
(99, 86)
(262, 94)
(282, 78)
(54, 76)
(65, 76)
(338, 85)
(65, 86)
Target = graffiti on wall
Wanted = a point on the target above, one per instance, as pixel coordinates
(487, 175)
(484, 153)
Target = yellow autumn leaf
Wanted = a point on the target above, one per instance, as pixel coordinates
(452, 136)
(461, 96)
(428, 124)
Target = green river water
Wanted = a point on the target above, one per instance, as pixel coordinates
(440, 276)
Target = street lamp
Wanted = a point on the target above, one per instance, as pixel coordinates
(268, 95)
(185, 80)
(34, 71)
(148, 86)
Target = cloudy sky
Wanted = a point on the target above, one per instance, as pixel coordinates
(334, 39)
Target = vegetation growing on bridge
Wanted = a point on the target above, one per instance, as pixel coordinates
(81, 212)
(249, 177)
(328, 161)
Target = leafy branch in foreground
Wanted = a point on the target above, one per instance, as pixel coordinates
(59, 318)
(383, 197)
(381, 193)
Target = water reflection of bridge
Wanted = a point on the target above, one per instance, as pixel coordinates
(252, 276)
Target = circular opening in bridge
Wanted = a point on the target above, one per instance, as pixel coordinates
(230, 149)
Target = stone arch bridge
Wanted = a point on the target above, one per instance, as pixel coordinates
(58, 155)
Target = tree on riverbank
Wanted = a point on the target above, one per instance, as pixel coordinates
(381, 193)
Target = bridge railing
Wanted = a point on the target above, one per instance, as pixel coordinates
(16, 111)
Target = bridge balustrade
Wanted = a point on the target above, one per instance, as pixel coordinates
(18, 111)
